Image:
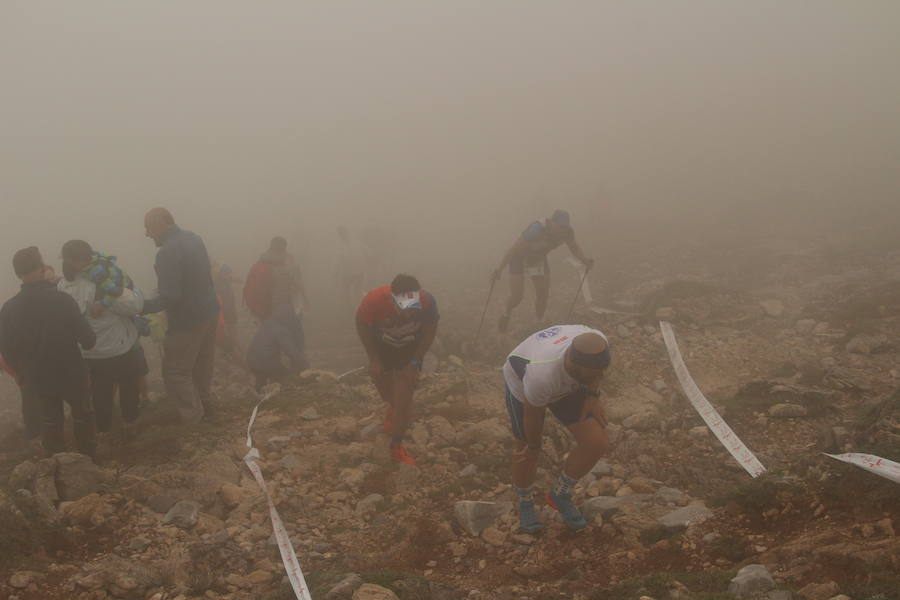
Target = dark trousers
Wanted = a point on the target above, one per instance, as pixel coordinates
(31, 411)
(106, 374)
(78, 397)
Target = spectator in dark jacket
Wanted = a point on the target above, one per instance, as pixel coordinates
(40, 333)
(186, 293)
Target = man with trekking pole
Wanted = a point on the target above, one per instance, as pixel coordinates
(527, 257)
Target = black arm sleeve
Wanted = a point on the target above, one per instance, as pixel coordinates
(83, 331)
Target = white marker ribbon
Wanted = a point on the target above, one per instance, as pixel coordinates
(586, 288)
(875, 464)
(285, 547)
(586, 292)
(709, 414)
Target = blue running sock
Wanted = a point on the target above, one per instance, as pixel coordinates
(528, 516)
(564, 485)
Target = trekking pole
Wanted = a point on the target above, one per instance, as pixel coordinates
(578, 293)
(486, 304)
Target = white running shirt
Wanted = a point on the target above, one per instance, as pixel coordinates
(542, 356)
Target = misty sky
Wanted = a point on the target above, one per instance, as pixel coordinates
(453, 121)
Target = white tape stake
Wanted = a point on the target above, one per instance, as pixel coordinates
(285, 547)
(709, 414)
(586, 288)
(880, 466)
(586, 291)
(351, 372)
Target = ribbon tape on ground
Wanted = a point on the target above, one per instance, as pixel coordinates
(880, 466)
(288, 556)
(709, 414)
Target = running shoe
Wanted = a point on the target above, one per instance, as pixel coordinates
(400, 455)
(571, 515)
(528, 517)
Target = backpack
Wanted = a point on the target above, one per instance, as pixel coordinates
(258, 290)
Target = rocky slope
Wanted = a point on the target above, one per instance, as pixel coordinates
(796, 365)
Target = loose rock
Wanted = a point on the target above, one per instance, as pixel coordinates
(474, 517)
(750, 581)
(370, 591)
(344, 589)
(184, 514)
(684, 517)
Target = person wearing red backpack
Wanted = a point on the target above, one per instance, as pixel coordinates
(273, 280)
(269, 293)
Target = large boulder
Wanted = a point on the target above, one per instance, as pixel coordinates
(751, 581)
(23, 476)
(76, 476)
(474, 516)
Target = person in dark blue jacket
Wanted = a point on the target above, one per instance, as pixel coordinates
(186, 293)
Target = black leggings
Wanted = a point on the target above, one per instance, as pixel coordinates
(106, 373)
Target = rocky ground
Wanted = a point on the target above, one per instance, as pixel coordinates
(800, 357)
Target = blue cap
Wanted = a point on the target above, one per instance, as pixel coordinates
(560, 217)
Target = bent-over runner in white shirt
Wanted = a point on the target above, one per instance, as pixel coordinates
(534, 371)
(557, 369)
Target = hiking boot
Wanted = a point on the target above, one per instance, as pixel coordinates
(571, 515)
(400, 455)
(503, 324)
(528, 517)
(388, 424)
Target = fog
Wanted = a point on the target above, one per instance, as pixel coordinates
(448, 125)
